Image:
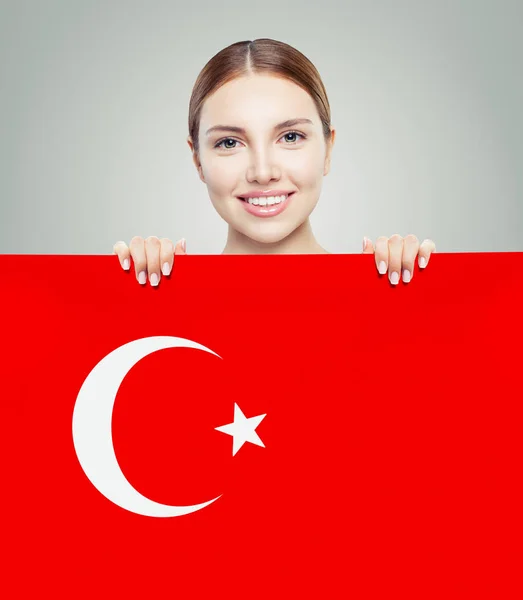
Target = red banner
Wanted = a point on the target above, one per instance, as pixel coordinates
(262, 427)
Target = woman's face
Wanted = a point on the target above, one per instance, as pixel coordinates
(264, 156)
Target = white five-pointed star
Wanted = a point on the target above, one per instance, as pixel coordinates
(242, 429)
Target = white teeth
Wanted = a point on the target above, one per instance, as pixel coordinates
(270, 200)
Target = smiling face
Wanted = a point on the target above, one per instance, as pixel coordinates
(262, 155)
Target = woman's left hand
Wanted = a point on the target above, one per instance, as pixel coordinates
(397, 255)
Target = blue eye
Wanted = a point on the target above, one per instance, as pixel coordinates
(221, 142)
(292, 133)
(218, 145)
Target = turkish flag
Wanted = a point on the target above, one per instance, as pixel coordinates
(262, 427)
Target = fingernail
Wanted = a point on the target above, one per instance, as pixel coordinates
(364, 242)
(141, 277)
(154, 279)
(126, 264)
(422, 262)
(394, 278)
(382, 267)
(406, 275)
(184, 245)
(166, 269)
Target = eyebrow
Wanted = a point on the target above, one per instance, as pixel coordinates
(288, 123)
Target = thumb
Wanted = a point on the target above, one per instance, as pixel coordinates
(181, 247)
(368, 248)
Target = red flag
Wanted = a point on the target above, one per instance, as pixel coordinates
(335, 436)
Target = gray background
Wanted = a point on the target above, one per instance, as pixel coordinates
(426, 97)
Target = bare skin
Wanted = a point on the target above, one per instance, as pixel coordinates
(258, 158)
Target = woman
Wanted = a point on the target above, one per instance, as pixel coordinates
(261, 140)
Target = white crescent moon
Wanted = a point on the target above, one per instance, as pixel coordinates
(92, 436)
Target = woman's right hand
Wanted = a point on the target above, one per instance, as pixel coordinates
(148, 255)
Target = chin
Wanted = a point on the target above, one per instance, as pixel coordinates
(264, 230)
(268, 234)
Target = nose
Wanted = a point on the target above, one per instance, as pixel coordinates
(263, 169)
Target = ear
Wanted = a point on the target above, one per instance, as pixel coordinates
(195, 159)
(328, 154)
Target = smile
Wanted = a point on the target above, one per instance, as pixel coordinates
(268, 206)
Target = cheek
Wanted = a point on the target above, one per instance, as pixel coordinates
(220, 175)
(307, 170)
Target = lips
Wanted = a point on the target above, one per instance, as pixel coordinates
(270, 210)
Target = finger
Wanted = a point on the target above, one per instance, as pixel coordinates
(395, 257)
(166, 255)
(181, 247)
(425, 250)
(152, 253)
(381, 254)
(137, 247)
(410, 251)
(368, 247)
(121, 249)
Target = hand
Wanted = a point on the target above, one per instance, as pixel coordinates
(148, 255)
(398, 254)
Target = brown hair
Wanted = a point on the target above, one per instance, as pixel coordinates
(259, 56)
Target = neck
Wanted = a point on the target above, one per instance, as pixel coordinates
(300, 241)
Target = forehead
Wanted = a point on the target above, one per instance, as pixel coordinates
(257, 100)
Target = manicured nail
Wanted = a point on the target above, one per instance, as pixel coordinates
(184, 245)
(154, 279)
(364, 242)
(166, 269)
(382, 267)
(406, 275)
(126, 264)
(394, 278)
(142, 277)
(422, 262)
